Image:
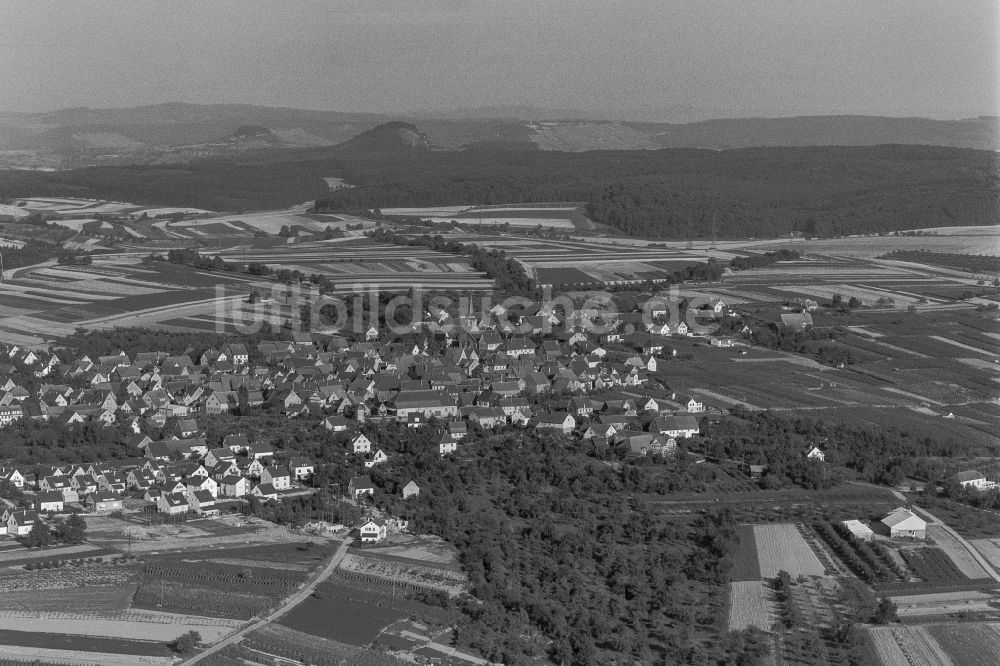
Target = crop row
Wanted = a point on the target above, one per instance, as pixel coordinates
(864, 563)
(932, 565)
(200, 601)
(305, 648)
(222, 575)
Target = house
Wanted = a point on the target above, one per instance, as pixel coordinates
(172, 504)
(277, 477)
(860, 531)
(49, 501)
(9, 414)
(411, 489)
(447, 444)
(815, 453)
(903, 523)
(360, 485)
(428, 403)
(264, 491)
(337, 423)
(972, 480)
(560, 421)
(377, 458)
(683, 425)
(373, 531)
(361, 444)
(20, 522)
(234, 486)
(195, 483)
(692, 405)
(105, 501)
(301, 468)
(202, 501)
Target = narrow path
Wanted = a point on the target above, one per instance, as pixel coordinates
(292, 601)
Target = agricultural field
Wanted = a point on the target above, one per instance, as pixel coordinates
(276, 640)
(563, 216)
(750, 604)
(417, 562)
(968, 643)
(908, 646)
(780, 547)
(951, 547)
(947, 603)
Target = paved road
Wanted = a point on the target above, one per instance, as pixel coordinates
(292, 601)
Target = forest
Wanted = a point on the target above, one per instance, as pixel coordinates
(660, 194)
(677, 194)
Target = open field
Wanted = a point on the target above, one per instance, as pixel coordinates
(45, 656)
(968, 643)
(908, 646)
(750, 605)
(781, 547)
(135, 625)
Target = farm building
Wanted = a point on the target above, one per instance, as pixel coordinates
(972, 480)
(903, 523)
(860, 531)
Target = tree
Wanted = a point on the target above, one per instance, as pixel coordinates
(186, 643)
(39, 536)
(855, 302)
(886, 612)
(75, 529)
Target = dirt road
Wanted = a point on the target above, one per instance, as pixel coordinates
(292, 601)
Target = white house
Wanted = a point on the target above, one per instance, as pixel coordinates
(373, 531)
(361, 444)
(903, 523)
(973, 480)
(815, 453)
(277, 477)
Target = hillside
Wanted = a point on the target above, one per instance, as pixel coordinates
(179, 133)
(387, 137)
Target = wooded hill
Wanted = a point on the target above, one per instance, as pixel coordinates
(662, 194)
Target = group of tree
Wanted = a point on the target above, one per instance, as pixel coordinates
(564, 562)
(68, 530)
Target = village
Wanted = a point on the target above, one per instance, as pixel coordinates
(598, 388)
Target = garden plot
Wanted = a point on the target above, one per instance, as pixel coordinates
(400, 570)
(750, 604)
(780, 547)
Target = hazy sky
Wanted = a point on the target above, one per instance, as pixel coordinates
(891, 57)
